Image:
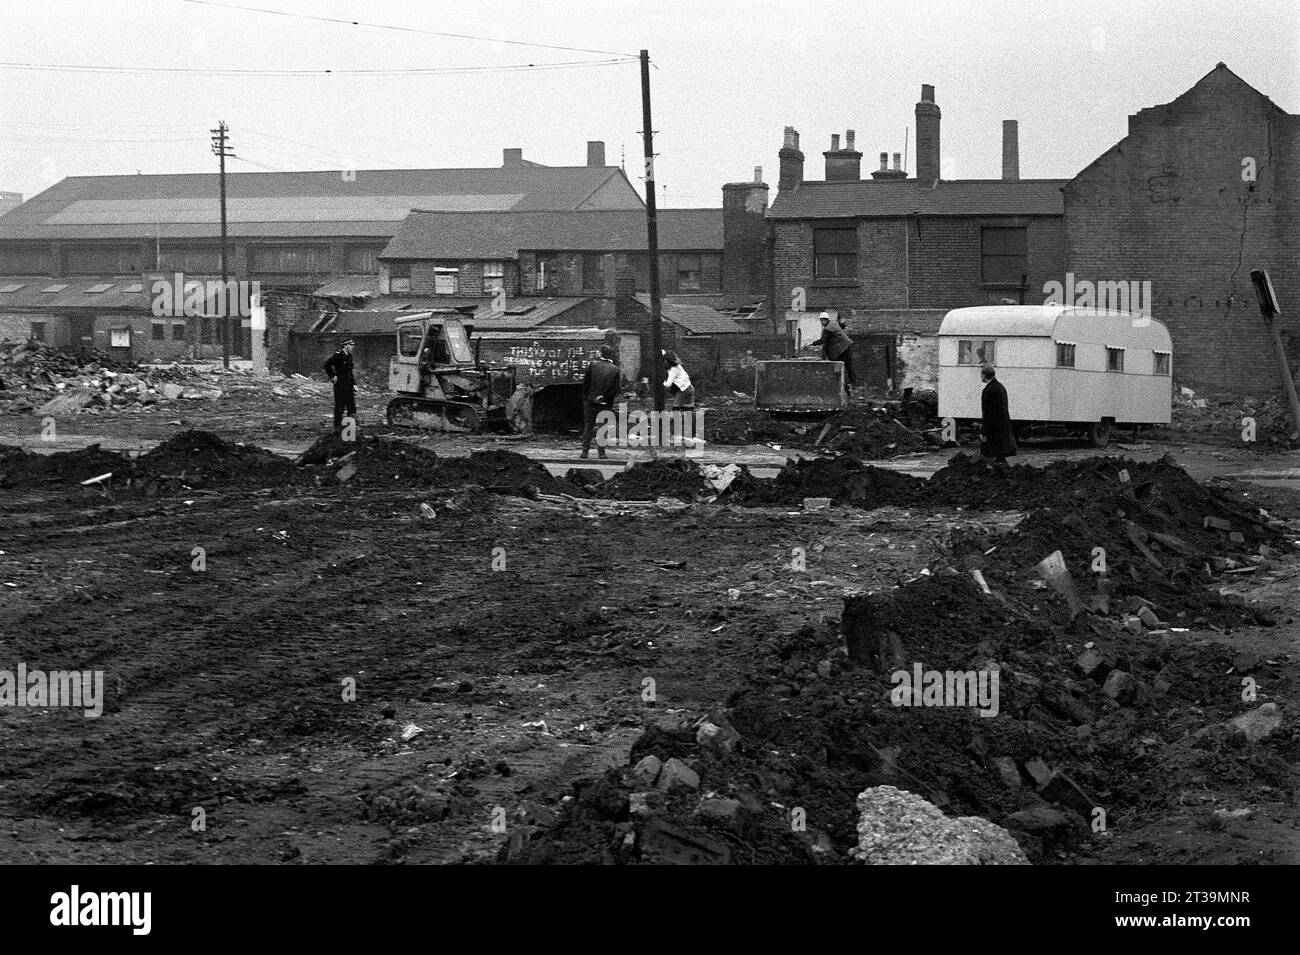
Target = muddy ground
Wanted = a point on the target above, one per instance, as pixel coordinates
(533, 649)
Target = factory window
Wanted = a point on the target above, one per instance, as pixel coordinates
(292, 258)
(359, 258)
(446, 280)
(835, 253)
(178, 331)
(688, 273)
(494, 277)
(1003, 256)
(1161, 363)
(96, 261)
(38, 331)
(200, 261)
(1064, 355)
(119, 338)
(159, 331)
(975, 351)
(593, 272)
(1114, 359)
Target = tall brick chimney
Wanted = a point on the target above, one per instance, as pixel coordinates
(927, 137)
(744, 236)
(791, 161)
(512, 157)
(1010, 149)
(595, 152)
(843, 165)
(884, 172)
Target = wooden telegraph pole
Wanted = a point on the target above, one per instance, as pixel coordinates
(220, 147)
(652, 235)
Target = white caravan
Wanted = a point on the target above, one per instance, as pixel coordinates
(1078, 367)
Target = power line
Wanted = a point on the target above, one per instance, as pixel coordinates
(386, 26)
(230, 71)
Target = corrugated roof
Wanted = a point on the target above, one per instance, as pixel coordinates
(440, 235)
(959, 197)
(368, 202)
(349, 286)
(539, 310)
(696, 319)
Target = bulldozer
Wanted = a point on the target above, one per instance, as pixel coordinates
(441, 385)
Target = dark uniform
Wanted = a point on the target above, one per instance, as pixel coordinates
(339, 367)
(837, 346)
(599, 389)
(999, 438)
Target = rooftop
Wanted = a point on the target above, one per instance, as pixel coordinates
(903, 197)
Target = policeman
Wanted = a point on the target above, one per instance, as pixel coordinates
(339, 369)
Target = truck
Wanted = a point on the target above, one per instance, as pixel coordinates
(1085, 370)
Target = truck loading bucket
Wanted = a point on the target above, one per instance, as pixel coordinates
(799, 386)
(558, 408)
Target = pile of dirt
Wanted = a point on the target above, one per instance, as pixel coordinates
(1219, 420)
(23, 469)
(202, 459)
(870, 431)
(648, 480)
(844, 480)
(501, 472)
(872, 437)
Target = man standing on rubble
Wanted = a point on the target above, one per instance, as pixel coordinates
(599, 389)
(338, 367)
(999, 438)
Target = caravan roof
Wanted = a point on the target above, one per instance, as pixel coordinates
(1025, 321)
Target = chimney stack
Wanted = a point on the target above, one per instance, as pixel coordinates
(843, 165)
(744, 235)
(791, 162)
(512, 157)
(927, 137)
(884, 172)
(1010, 149)
(595, 152)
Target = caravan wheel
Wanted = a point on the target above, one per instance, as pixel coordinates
(1099, 433)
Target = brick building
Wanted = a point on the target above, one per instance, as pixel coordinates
(890, 254)
(1201, 190)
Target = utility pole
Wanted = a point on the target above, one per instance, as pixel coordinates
(652, 235)
(220, 147)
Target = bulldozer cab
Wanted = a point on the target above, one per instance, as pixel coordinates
(425, 343)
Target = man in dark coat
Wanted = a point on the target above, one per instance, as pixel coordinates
(999, 438)
(338, 367)
(599, 389)
(837, 346)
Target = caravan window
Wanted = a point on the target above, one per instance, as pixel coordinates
(1064, 355)
(1114, 359)
(975, 351)
(1161, 363)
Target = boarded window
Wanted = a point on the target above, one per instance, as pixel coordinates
(835, 253)
(202, 261)
(1003, 256)
(178, 331)
(291, 258)
(593, 272)
(38, 331)
(97, 261)
(159, 331)
(976, 351)
(1064, 355)
(119, 337)
(1114, 359)
(688, 273)
(1161, 366)
(446, 281)
(26, 261)
(494, 277)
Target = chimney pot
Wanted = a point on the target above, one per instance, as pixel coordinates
(927, 137)
(884, 160)
(595, 152)
(848, 138)
(898, 161)
(835, 141)
(791, 158)
(927, 93)
(512, 157)
(791, 138)
(758, 173)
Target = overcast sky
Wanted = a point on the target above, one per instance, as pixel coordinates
(728, 76)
